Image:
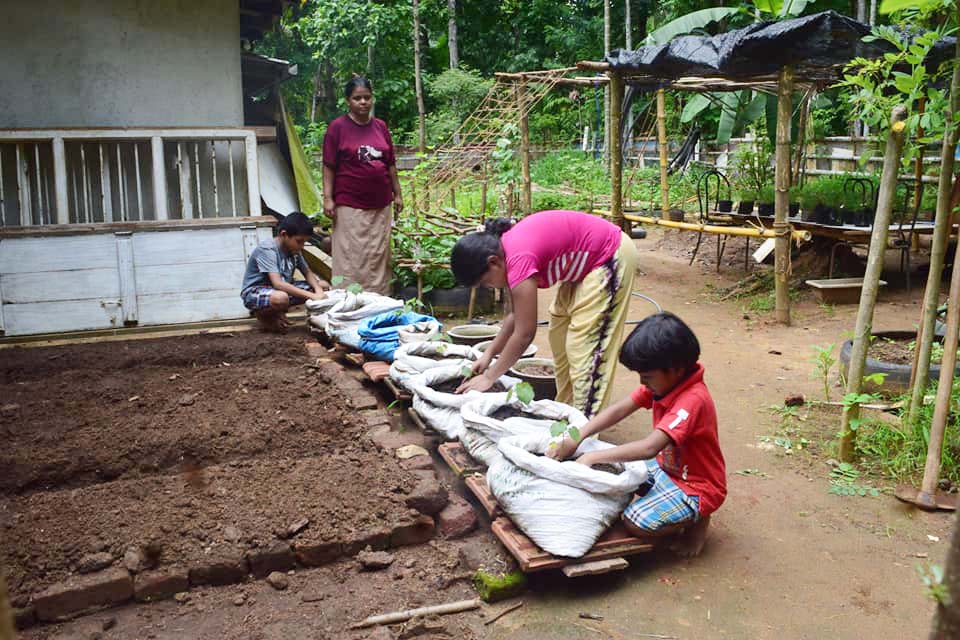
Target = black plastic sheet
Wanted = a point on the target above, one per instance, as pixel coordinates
(814, 45)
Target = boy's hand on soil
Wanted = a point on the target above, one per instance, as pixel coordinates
(566, 448)
(480, 366)
(479, 383)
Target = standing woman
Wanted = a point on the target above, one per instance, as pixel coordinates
(360, 185)
(594, 263)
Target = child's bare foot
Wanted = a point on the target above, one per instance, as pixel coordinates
(689, 543)
(272, 322)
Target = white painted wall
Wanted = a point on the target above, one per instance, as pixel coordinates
(120, 63)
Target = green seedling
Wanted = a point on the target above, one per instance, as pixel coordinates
(336, 281)
(843, 482)
(823, 362)
(522, 392)
(932, 577)
(356, 288)
(560, 429)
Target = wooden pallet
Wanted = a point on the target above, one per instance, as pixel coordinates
(615, 543)
(459, 461)
(477, 484)
(401, 395)
(420, 423)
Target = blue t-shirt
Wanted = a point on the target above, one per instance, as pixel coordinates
(268, 257)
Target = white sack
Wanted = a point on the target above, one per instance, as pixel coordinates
(482, 432)
(340, 313)
(441, 411)
(410, 360)
(564, 507)
(417, 332)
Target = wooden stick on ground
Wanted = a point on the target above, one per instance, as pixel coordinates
(403, 616)
(504, 612)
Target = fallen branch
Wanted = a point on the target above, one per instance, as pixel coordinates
(512, 607)
(403, 616)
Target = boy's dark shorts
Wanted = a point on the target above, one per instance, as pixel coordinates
(258, 297)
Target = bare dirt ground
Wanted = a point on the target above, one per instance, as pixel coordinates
(785, 558)
(192, 445)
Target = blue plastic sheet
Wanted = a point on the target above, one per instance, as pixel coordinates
(380, 335)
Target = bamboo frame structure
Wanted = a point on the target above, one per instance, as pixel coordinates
(797, 235)
(616, 152)
(871, 278)
(662, 148)
(782, 196)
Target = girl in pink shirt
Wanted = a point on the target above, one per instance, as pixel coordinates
(591, 260)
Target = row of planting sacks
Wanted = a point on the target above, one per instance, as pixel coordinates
(562, 506)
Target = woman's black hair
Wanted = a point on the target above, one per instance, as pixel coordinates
(353, 83)
(296, 224)
(660, 341)
(468, 260)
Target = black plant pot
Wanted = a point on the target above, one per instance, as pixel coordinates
(451, 301)
(809, 214)
(822, 214)
(794, 209)
(745, 208)
(765, 209)
(725, 206)
(866, 216)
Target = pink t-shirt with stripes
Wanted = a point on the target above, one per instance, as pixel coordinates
(558, 246)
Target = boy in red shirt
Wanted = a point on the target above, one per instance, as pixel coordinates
(687, 480)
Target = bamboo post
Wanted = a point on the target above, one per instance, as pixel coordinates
(418, 81)
(781, 227)
(521, 89)
(662, 147)
(616, 151)
(802, 141)
(453, 197)
(941, 410)
(871, 278)
(483, 195)
(938, 249)
(472, 304)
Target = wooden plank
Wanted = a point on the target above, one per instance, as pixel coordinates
(83, 133)
(75, 284)
(36, 255)
(262, 223)
(615, 542)
(159, 180)
(594, 568)
(399, 394)
(318, 261)
(477, 484)
(419, 422)
(23, 187)
(2, 331)
(190, 278)
(61, 315)
(189, 247)
(457, 458)
(193, 306)
(106, 195)
(127, 278)
(253, 176)
(248, 234)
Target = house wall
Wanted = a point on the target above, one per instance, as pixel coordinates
(120, 63)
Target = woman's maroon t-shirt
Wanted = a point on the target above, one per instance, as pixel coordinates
(361, 155)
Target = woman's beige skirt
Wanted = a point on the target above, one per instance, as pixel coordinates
(361, 247)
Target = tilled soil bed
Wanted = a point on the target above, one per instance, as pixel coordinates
(192, 447)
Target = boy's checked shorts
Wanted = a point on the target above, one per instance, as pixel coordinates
(258, 297)
(664, 504)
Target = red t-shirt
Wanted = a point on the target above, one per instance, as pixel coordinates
(693, 458)
(558, 246)
(361, 155)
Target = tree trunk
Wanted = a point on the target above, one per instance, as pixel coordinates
(946, 618)
(452, 34)
(315, 96)
(418, 80)
(627, 26)
(941, 234)
(871, 279)
(862, 11)
(606, 89)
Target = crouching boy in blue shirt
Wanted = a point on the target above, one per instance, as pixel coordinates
(268, 286)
